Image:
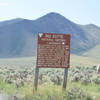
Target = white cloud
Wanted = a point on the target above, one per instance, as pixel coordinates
(3, 4)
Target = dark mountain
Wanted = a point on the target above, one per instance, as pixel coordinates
(19, 38)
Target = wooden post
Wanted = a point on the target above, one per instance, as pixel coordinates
(36, 78)
(65, 78)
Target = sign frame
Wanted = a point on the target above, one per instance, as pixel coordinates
(65, 68)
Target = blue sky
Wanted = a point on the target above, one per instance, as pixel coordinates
(78, 11)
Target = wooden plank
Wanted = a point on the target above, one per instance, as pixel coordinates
(36, 78)
(65, 78)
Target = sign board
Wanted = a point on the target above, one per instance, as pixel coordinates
(53, 50)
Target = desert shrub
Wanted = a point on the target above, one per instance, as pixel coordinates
(75, 93)
(97, 80)
(85, 81)
(89, 98)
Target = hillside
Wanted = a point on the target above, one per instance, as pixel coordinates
(93, 33)
(94, 53)
(19, 37)
(10, 21)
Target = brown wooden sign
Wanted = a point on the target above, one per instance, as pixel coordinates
(53, 50)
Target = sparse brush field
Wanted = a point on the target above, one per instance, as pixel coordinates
(17, 78)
